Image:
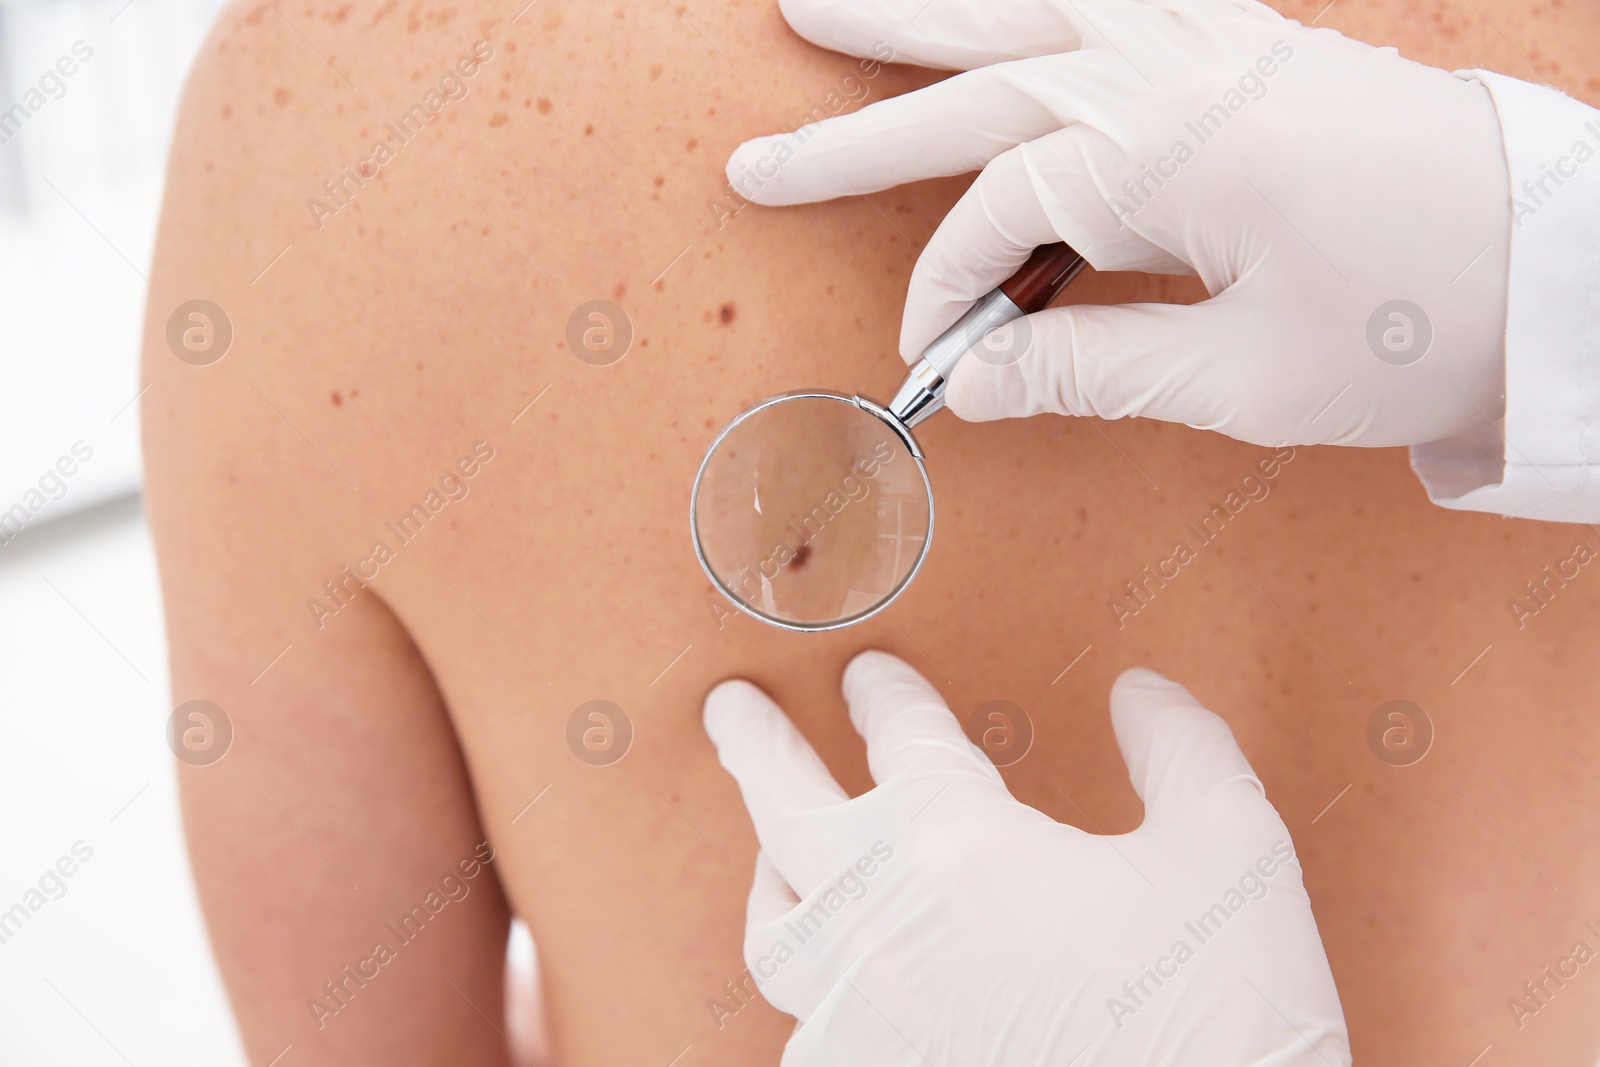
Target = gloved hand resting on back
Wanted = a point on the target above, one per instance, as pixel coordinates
(1347, 209)
(936, 920)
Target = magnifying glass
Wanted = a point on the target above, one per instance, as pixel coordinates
(813, 510)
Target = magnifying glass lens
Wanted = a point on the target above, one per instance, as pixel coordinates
(811, 512)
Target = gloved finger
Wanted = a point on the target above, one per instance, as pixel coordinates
(1175, 749)
(940, 34)
(780, 776)
(1145, 360)
(964, 36)
(1003, 216)
(951, 127)
(905, 721)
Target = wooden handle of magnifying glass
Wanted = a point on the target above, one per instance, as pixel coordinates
(1044, 275)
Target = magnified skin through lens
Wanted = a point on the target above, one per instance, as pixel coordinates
(812, 511)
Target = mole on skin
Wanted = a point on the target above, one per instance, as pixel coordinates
(801, 554)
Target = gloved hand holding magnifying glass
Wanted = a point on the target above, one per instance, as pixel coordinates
(1347, 209)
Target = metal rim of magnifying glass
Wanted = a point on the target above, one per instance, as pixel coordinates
(883, 415)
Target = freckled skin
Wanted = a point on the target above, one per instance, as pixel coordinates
(428, 711)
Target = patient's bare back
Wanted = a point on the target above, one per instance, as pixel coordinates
(424, 537)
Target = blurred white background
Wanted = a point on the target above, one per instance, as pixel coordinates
(115, 969)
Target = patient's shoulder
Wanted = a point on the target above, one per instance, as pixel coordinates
(395, 209)
(308, 191)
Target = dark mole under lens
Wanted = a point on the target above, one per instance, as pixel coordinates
(810, 511)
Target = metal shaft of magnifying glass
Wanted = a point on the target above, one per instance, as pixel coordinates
(923, 392)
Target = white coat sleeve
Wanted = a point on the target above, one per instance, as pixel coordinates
(1542, 460)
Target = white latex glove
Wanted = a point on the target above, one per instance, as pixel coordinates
(936, 920)
(1331, 179)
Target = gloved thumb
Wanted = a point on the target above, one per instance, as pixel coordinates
(1175, 749)
(770, 899)
(1146, 360)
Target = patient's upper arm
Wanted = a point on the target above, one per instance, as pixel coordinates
(341, 802)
